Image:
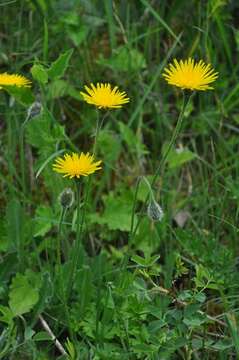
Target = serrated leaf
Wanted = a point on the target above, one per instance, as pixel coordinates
(39, 73)
(59, 66)
(23, 296)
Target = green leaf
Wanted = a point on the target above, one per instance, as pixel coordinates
(43, 220)
(39, 73)
(156, 325)
(3, 236)
(139, 260)
(43, 133)
(6, 315)
(42, 336)
(15, 224)
(132, 140)
(178, 157)
(204, 278)
(23, 95)
(57, 89)
(125, 59)
(200, 297)
(71, 350)
(147, 261)
(117, 213)
(222, 345)
(78, 35)
(59, 66)
(28, 333)
(23, 295)
(38, 132)
(195, 320)
(84, 286)
(109, 146)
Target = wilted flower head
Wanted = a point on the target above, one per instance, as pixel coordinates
(14, 80)
(155, 211)
(66, 198)
(190, 75)
(103, 96)
(76, 165)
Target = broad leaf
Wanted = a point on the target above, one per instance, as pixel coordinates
(59, 66)
(23, 295)
(39, 73)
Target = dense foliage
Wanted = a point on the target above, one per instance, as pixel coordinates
(167, 288)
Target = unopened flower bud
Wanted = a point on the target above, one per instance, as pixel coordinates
(34, 109)
(155, 211)
(66, 198)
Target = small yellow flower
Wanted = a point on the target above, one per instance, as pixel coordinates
(103, 96)
(76, 165)
(14, 80)
(190, 75)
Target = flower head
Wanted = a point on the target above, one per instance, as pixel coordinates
(103, 96)
(76, 165)
(14, 80)
(190, 75)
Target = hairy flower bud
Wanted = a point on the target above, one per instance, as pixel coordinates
(34, 109)
(66, 198)
(155, 211)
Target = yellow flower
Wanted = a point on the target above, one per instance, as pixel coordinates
(14, 80)
(103, 96)
(190, 75)
(76, 165)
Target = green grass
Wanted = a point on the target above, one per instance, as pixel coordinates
(168, 290)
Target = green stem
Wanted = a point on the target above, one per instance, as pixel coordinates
(45, 41)
(97, 130)
(63, 212)
(162, 163)
(99, 125)
(22, 155)
(76, 247)
(23, 181)
(131, 234)
(127, 255)
(173, 138)
(61, 280)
